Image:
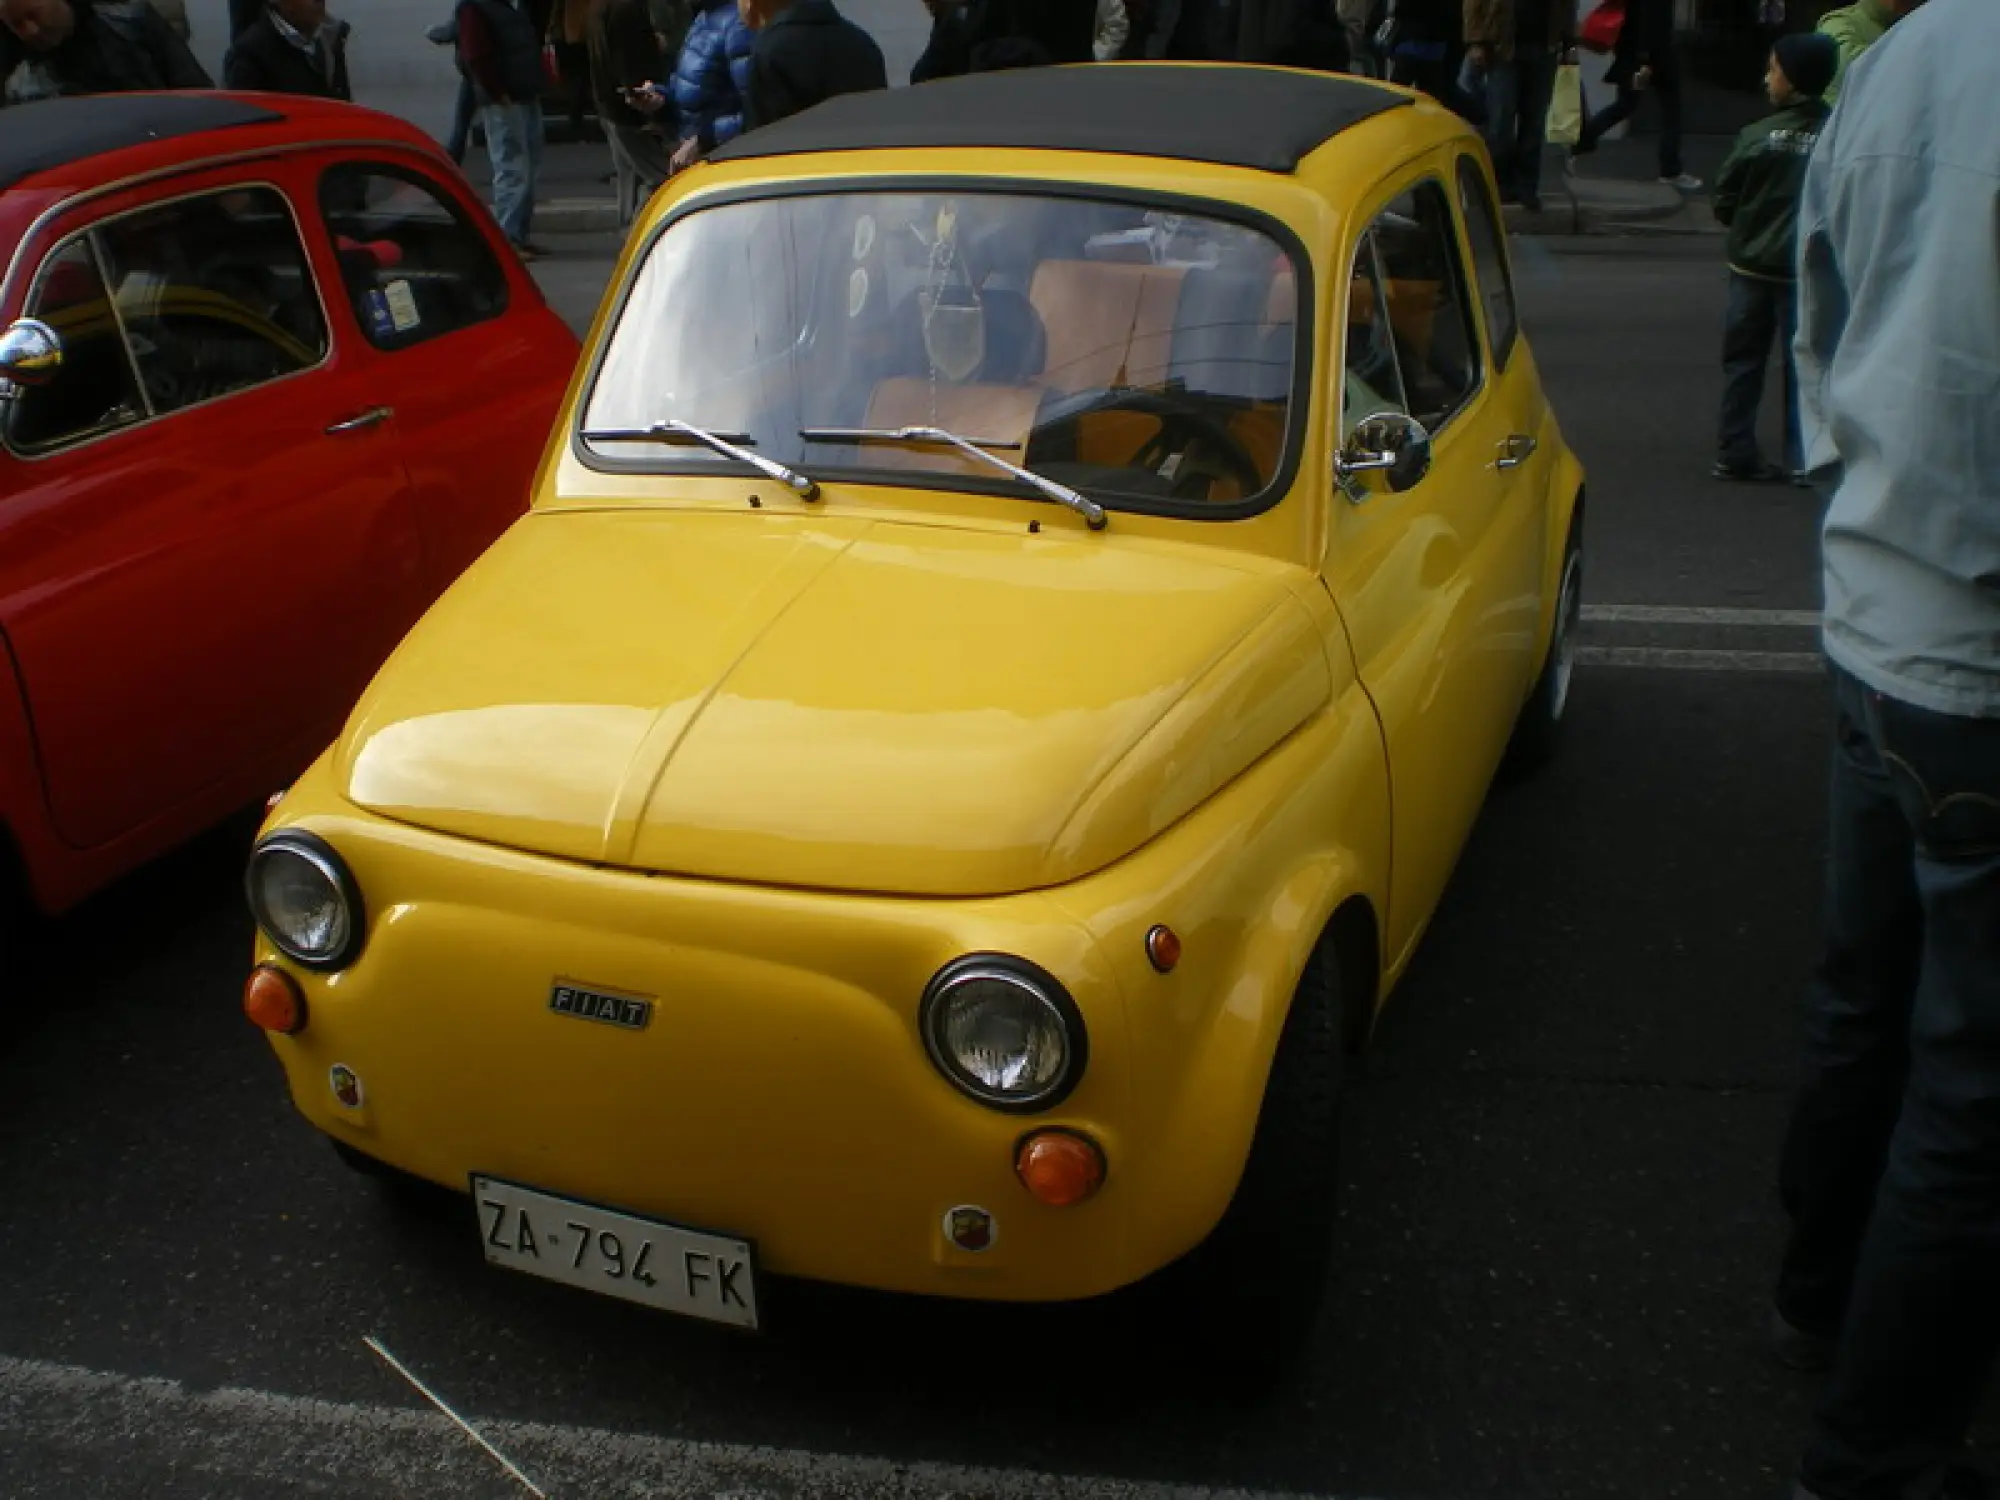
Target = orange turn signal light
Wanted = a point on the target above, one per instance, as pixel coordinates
(272, 1001)
(1059, 1167)
(1163, 947)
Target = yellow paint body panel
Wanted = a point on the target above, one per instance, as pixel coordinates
(773, 767)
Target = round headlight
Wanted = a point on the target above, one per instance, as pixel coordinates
(305, 900)
(1004, 1032)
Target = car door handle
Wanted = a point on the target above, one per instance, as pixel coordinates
(1515, 450)
(375, 416)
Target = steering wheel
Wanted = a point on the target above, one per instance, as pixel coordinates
(1184, 425)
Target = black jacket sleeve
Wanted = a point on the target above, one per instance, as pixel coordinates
(170, 54)
(949, 53)
(243, 68)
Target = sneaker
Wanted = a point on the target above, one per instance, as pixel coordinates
(1756, 471)
(1796, 1349)
(1801, 480)
(529, 250)
(1687, 182)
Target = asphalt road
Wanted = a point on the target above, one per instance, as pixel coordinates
(1559, 1217)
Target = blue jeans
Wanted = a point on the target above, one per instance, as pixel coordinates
(462, 112)
(514, 144)
(1760, 313)
(1891, 1168)
(1517, 121)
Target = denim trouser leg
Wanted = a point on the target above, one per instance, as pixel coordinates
(1787, 294)
(1902, 1065)
(514, 141)
(1535, 85)
(1750, 327)
(1517, 121)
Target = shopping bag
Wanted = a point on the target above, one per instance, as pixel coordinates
(1600, 28)
(1565, 126)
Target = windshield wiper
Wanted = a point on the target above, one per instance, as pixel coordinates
(938, 437)
(686, 434)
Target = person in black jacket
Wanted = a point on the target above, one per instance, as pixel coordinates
(1644, 61)
(806, 52)
(54, 48)
(974, 36)
(291, 49)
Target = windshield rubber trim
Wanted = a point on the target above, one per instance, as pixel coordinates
(1304, 322)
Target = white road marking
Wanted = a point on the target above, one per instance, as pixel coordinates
(1667, 614)
(1672, 659)
(307, 1446)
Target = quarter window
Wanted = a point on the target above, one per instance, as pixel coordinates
(1489, 260)
(1372, 382)
(415, 267)
(94, 391)
(214, 295)
(1421, 304)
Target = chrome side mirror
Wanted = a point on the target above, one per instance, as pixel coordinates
(30, 357)
(1389, 443)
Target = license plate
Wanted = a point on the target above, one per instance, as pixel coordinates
(661, 1265)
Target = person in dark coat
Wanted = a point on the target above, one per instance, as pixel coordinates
(54, 48)
(806, 52)
(625, 54)
(976, 36)
(1423, 46)
(292, 49)
(1644, 61)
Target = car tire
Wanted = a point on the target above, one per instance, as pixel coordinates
(1251, 1292)
(398, 1186)
(1538, 732)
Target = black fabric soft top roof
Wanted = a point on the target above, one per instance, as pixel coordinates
(1264, 118)
(56, 132)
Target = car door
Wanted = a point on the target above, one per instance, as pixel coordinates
(1435, 583)
(459, 339)
(213, 547)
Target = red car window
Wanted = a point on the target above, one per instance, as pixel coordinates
(94, 391)
(215, 294)
(414, 266)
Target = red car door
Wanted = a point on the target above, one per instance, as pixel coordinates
(473, 358)
(215, 545)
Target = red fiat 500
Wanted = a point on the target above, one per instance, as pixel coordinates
(270, 378)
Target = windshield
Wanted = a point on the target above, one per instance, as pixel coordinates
(1128, 352)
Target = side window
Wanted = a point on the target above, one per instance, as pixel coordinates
(1424, 290)
(214, 294)
(414, 266)
(94, 392)
(1371, 382)
(1489, 261)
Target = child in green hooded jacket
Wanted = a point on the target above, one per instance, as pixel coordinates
(1757, 196)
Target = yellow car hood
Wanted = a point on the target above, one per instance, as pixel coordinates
(854, 705)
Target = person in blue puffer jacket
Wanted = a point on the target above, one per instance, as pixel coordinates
(712, 80)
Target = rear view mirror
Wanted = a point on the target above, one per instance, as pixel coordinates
(1388, 443)
(30, 357)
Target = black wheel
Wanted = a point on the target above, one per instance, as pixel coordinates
(1538, 733)
(1252, 1291)
(398, 1186)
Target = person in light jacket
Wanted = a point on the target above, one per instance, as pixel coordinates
(1890, 1174)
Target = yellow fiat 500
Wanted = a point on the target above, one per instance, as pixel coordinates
(1030, 587)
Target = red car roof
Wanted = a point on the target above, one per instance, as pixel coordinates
(58, 148)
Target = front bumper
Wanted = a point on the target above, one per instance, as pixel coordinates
(780, 1090)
